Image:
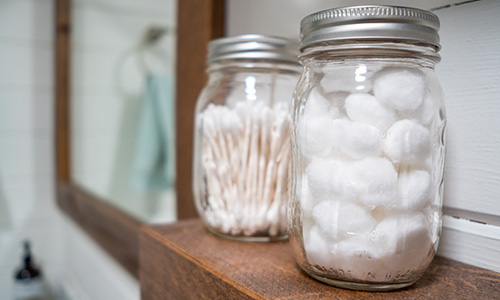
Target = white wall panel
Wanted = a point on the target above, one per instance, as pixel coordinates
(98, 275)
(27, 196)
(282, 17)
(26, 110)
(470, 74)
(24, 65)
(26, 20)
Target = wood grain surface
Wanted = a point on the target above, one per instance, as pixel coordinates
(184, 261)
(63, 87)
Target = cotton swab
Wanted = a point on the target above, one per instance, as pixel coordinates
(245, 155)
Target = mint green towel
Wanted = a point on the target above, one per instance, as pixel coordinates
(154, 162)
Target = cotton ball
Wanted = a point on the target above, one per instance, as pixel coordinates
(327, 181)
(316, 246)
(414, 190)
(403, 242)
(380, 213)
(317, 105)
(357, 256)
(426, 113)
(365, 108)
(307, 201)
(407, 142)
(338, 219)
(307, 224)
(337, 98)
(400, 88)
(357, 140)
(375, 181)
(334, 112)
(315, 135)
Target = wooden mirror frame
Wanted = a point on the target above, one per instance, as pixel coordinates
(199, 21)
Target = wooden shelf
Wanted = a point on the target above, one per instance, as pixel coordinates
(184, 261)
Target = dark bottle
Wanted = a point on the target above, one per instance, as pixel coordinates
(28, 281)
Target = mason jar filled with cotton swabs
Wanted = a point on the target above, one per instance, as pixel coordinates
(242, 137)
(369, 147)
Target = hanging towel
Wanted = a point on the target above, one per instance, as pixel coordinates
(154, 163)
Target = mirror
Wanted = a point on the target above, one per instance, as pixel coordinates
(122, 110)
(117, 227)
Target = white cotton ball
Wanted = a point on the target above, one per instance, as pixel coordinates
(315, 135)
(426, 113)
(338, 219)
(400, 88)
(327, 181)
(357, 140)
(307, 201)
(375, 181)
(316, 246)
(347, 80)
(307, 224)
(414, 190)
(334, 112)
(381, 212)
(403, 241)
(365, 108)
(317, 104)
(337, 99)
(358, 256)
(407, 142)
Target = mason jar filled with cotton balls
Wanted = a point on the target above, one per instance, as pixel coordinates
(368, 147)
(242, 137)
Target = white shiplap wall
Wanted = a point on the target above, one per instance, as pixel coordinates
(470, 75)
(282, 17)
(27, 203)
(90, 273)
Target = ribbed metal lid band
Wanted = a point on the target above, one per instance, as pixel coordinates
(371, 22)
(253, 46)
(413, 15)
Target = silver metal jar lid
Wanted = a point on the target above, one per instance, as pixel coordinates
(253, 46)
(370, 22)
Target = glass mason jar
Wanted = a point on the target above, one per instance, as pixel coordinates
(368, 147)
(242, 137)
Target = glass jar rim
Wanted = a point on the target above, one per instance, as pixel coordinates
(371, 49)
(256, 64)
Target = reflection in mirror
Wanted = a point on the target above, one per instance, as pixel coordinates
(123, 104)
